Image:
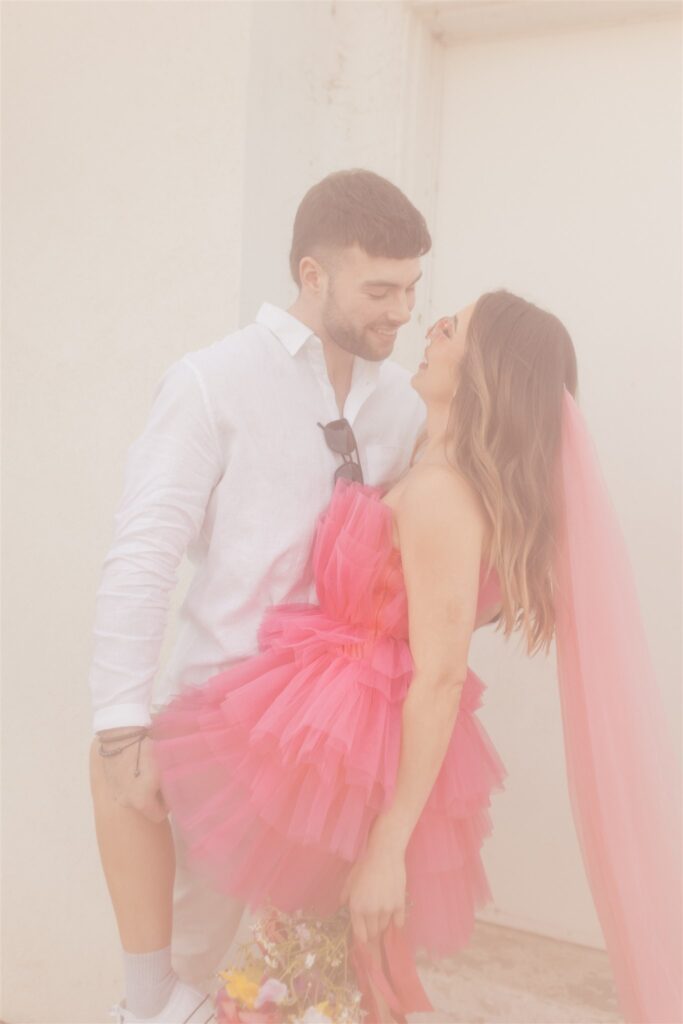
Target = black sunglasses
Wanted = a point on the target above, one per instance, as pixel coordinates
(340, 439)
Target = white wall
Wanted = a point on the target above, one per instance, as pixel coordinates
(122, 170)
(330, 86)
(560, 179)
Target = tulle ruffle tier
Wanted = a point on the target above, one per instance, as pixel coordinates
(276, 769)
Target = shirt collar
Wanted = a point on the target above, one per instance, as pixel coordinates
(290, 331)
(294, 335)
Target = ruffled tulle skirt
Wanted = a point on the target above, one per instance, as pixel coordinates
(275, 769)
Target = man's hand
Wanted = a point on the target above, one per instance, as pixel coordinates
(140, 792)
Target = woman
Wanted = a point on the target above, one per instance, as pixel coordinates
(345, 763)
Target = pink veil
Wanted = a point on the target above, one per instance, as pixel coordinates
(623, 780)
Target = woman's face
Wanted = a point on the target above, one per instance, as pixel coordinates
(437, 377)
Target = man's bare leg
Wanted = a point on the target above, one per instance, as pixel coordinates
(137, 853)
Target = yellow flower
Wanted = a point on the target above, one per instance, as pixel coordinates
(239, 986)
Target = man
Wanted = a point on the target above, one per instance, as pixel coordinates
(236, 463)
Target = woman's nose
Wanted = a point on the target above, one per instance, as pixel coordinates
(442, 325)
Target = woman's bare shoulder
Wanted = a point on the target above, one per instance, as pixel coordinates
(433, 485)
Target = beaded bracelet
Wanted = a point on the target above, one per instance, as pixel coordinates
(114, 753)
(134, 734)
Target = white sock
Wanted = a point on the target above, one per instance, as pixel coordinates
(149, 981)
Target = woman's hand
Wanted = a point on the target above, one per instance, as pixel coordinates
(376, 889)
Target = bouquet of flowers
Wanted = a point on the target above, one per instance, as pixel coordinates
(296, 969)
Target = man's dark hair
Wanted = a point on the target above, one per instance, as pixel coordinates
(361, 208)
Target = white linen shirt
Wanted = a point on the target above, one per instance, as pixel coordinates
(232, 469)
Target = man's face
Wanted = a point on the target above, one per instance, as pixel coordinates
(367, 299)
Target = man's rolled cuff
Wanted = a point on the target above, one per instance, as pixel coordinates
(118, 715)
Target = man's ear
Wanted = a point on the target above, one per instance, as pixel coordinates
(312, 275)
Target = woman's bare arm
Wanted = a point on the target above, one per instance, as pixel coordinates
(441, 531)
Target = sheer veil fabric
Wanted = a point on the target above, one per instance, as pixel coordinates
(623, 781)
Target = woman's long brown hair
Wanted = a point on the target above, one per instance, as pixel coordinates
(505, 430)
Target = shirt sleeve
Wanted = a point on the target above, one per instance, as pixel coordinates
(170, 471)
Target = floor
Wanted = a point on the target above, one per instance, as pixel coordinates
(505, 976)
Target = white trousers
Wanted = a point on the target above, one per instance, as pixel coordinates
(206, 925)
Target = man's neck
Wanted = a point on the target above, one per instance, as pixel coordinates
(338, 361)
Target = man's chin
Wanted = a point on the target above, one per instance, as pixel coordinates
(385, 337)
(373, 354)
(377, 357)
(379, 346)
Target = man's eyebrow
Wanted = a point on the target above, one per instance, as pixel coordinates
(389, 284)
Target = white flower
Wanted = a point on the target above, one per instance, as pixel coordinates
(314, 1016)
(310, 959)
(271, 991)
(303, 932)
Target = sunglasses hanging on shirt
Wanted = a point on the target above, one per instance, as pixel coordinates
(340, 439)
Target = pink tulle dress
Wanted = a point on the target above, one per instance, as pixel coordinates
(275, 769)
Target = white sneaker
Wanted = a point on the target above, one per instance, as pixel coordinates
(185, 1005)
